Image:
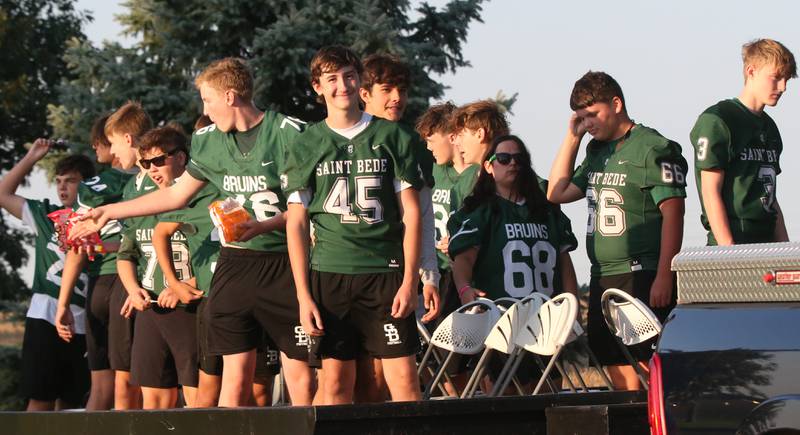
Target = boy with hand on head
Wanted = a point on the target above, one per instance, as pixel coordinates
(55, 375)
(384, 91)
(252, 289)
(357, 178)
(737, 150)
(634, 180)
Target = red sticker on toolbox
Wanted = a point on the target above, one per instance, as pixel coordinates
(784, 277)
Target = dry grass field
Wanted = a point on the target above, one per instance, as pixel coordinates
(11, 330)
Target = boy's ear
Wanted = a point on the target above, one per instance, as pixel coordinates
(230, 97)
(316, 86)
(481, 134)
(128, 139)
(749, 71)
(365, 95)
(487, 165)
(617, 105)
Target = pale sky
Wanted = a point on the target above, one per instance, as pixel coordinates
(673, 59)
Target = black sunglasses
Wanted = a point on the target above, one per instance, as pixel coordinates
(159, 161)
(505, 158)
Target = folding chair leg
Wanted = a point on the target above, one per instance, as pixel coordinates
(596, 363)
(518, 386)
(501, 384)
(565, 376)
(541, 366)
(505, 372)
(642, 376)
(476, 373)
(425, 357)
(442, 369)
(547, 371)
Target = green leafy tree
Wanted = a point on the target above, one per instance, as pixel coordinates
(33, 35)
(175, 40)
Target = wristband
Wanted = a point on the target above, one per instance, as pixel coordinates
(463, 289)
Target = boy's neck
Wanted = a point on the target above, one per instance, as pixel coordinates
(751, 102)
(458, 162)
(339, 119)
(247, 117)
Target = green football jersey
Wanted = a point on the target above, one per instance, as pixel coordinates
(354, 205)
(105, 188)
(623, 188)
(49, 258)
(252, 179)
(201, 236)
(449, 185)
(517, 254)
(728, 136)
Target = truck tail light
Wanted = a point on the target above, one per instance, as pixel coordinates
(655, 398)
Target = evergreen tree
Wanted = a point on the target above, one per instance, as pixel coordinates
(278, 38)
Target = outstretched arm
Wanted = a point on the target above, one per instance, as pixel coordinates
(162, 200)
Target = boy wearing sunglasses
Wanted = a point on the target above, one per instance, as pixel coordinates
(634, 180)
(165, 339)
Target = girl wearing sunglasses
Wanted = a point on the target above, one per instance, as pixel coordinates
(507, 240)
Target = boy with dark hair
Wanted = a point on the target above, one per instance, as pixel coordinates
(384, 91)
(164, 350)
(252, 287)
(737, 152)
(357, 178)
(634, 180)
(54, 373)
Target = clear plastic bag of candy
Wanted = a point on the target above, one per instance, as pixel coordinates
(227, 216)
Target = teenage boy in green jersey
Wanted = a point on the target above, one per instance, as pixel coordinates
(384, 91)
(475, 125)
(164, 352)
(54, 373)
(357, 177)
(252, 287)
(452, 179)
(634, 180)
(105, 296)
(737, 151)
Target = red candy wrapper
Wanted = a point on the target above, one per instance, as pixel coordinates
(63, 220)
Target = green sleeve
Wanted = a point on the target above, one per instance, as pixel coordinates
(581, 176)
(466, 231)
(127, 249)
(665, 172)
(298, 174)
(711, 140)
(567, 240)
(408, 166)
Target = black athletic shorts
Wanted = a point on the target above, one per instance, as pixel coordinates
(209, 364)
(601, 341)
(253, 292)
(109, 336)
(165, 347)
(268, 363)
(356, 315)
(52, 368)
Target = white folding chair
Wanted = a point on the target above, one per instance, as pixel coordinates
(631, 322)
(462, 332)
(499, 339)
(425, 338)
(546, 334)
